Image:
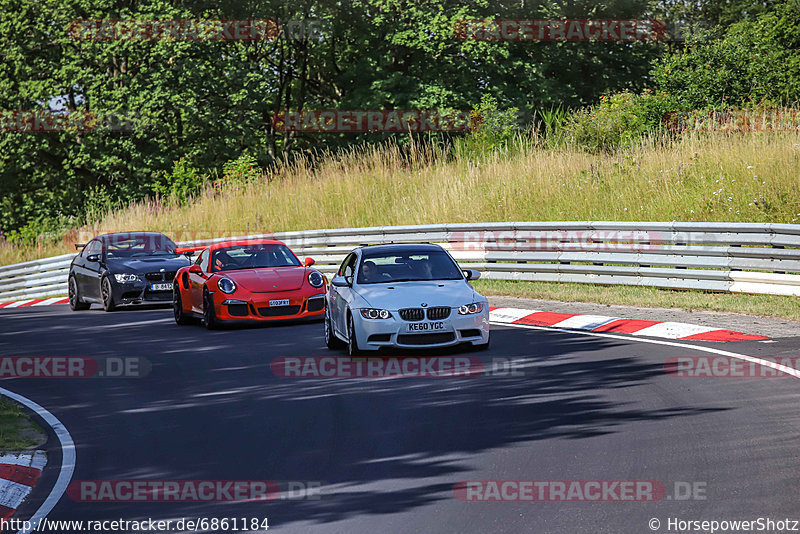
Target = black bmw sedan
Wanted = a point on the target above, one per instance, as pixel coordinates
(124, 268)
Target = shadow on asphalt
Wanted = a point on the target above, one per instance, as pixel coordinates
(212, 409)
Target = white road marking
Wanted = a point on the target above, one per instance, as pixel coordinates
(670, 330)
(585, 322)
(67, 457)
(509, 315)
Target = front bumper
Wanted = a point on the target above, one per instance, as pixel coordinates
(256, 307)
(127, 293)
(373, 334)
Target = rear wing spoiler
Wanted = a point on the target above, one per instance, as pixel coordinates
(189, 251)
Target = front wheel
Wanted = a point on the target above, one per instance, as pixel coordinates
(209, 313)
(108, 295)
(75, 302)
(177, 308)
(331, 340)
(352, 342)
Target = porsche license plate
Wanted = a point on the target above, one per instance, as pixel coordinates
(428, 326)
(161, 287)
(281, 302)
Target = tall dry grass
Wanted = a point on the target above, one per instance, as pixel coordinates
(736, 178)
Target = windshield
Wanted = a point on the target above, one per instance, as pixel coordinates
(253, 257)
(136, 245)
(408, 267)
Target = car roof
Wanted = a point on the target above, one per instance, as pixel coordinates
(227, 244)
(106, 237)
(400, 248)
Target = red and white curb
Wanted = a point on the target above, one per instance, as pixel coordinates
(602, 323)
(19, 473)
(34, 302)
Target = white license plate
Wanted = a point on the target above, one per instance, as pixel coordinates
(281, 302)
(161, 287)
(428, 326)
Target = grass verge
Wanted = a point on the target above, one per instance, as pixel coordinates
(762, 305)
(725, 178)
(17, 430)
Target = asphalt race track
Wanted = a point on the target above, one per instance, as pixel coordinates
(388, 452)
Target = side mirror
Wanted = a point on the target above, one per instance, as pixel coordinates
(195, 269)
(309, 262)
(93, 257)
(472, 274)
(340, 281)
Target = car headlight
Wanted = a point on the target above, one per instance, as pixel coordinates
(122, 278)
(315, 279)
(373, 313)
(470, 309)
(226, 285)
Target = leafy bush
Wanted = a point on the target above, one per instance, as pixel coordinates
(239, 171)
(754, 63)
(491, 129)
(619, 121)
(182, 183)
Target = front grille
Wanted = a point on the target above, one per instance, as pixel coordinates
(158, 295)
(438, 313)
(425, 339)
(412, 314)
(160, 277)
(238, 310)
(315, 305)
(278, 311)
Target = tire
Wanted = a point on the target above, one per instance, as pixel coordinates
(209, 313)
(177, 308)
(352, 342)
(331, 340)
(108, 295)
(75, 302)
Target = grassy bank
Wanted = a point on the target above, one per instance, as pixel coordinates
(724, 178)
(763, 305)
(17, 431)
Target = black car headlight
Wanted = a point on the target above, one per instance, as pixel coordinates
(470, 309)
(373, 313)
(226, 285)
(315, 279)
(124, 278)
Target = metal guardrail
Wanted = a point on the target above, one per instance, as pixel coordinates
(739, 258)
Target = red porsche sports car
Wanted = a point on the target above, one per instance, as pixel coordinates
(253, 280)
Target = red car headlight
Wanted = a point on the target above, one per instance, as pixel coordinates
(226, 285)
(315, 279)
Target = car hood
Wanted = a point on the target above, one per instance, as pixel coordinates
(265, 280)
(146, 264)
(451, 293)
